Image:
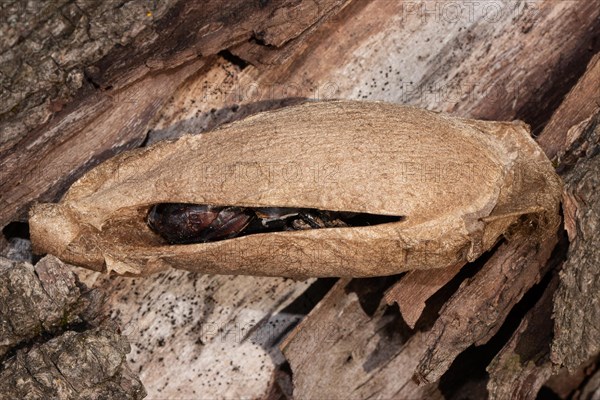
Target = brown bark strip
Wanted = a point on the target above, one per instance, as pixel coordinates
(266, 50)
(577, 106)
(523, 365)
(530, 85)
(367, 356)
(476, 311)
(113, 45)
(206, 27)
(414, 288)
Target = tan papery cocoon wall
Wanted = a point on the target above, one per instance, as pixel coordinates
(460, 185)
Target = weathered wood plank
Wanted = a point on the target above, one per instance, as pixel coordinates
(221, 331)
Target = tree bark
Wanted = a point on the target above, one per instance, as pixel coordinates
(55, 344)
(576, 310)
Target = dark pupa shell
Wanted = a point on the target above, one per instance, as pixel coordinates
(182, 223)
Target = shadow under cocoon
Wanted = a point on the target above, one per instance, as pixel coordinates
(16, 229)
(434, 304)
